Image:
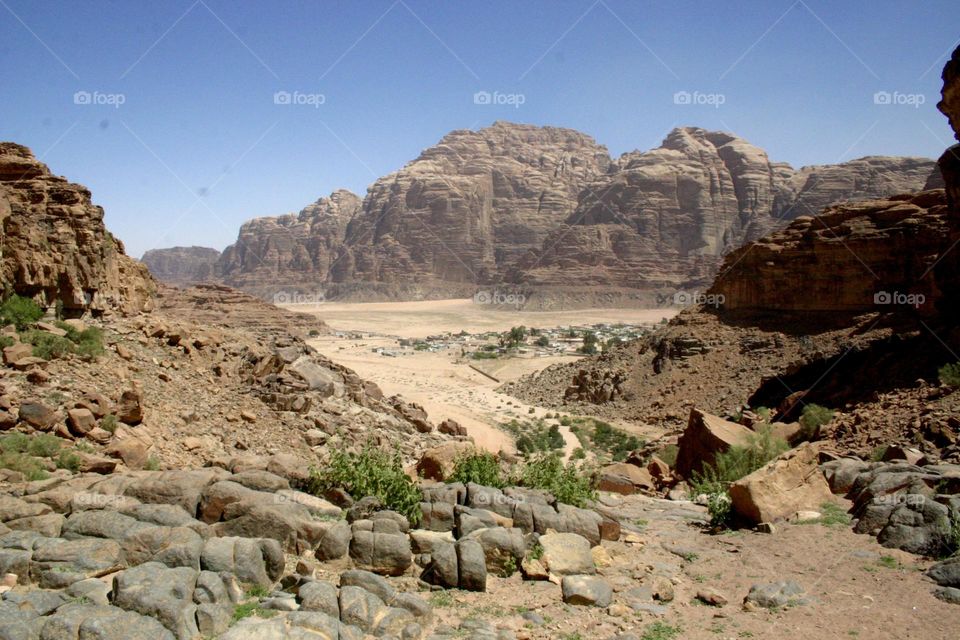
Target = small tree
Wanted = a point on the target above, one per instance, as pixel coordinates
(543, 341)
(589, 343)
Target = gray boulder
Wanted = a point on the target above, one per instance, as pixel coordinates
(586, 590)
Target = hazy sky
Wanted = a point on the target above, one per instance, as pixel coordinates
(169, 110)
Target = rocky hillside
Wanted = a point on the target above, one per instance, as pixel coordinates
(182, 265)
(546, 211)
(55, 247)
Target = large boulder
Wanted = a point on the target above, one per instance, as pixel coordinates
(155, 590)
(625, 479)
(706, 435)
(790, 483)
(381, 547)
(566, 554)
(586, 591)
(101, 622)
(437, 463)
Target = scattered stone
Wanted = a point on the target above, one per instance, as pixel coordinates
(775, 595)
(586, 591)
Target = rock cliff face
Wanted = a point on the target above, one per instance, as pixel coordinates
(468, 207)
(545, 210)
(292, 252)
(182, 265)
(665, 218)
(55, 247)
(875, 255)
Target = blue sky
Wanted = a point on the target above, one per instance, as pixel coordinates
(199, 145)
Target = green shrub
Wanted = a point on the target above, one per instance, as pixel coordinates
(29, 466)
(535, 436)
(876, 455)
(44, 445)
(570, 483)
(14, 443)
(19, 311)
(69, 460)
(764, 413)
(109, 423)
(152, 464)
(480, 467)
(619, 444)
(370, 472)
(6, 341)
(90, 343)
(543, 341)
(660, 630)
(813, 417)
(950, 374)
(48, 346)
(729, 466)
(485, 355)
(669, 454)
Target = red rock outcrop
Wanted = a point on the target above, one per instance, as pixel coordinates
(55, 247)
(876, 255)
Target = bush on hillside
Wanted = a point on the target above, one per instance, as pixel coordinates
(369, 472)
(569, 483)
(813, 417)
(19, 311)
(480, 467)
(731, 465)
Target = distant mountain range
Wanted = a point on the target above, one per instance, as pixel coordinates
(539, 211)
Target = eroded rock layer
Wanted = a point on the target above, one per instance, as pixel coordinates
(55, 247)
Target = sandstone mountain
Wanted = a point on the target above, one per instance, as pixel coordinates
(54, 245)
(289, 252)
(546, 211)
(664, 219)
(182, 265)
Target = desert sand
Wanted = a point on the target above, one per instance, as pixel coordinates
(443, 382)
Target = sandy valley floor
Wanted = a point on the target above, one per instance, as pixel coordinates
(443, 382)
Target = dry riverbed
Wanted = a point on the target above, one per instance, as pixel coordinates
(444, 382)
